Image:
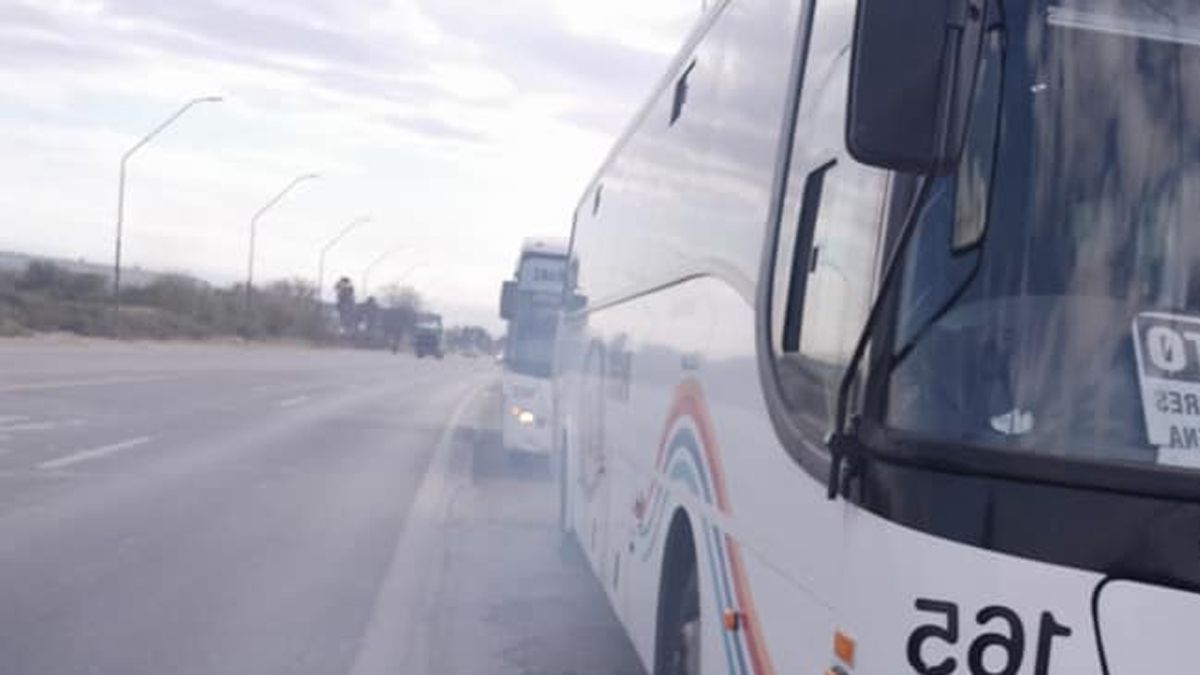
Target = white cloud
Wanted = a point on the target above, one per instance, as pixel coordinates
(461, 125)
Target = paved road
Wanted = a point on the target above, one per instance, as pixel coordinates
(188, 509)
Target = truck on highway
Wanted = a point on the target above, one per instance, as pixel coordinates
(530, 303)
(888, 363)
(429, 336)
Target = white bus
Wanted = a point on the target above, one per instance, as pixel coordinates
(531, 303)
(889, 356)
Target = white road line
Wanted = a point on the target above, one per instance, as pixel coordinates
(71, 384)
(398, 635)
(94, 453)
(39, 426)
(295, 400)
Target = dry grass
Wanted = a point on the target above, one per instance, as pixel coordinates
(48, 298)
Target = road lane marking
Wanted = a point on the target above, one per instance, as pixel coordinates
(398, 635)
(295, 400)
(38, 426)
(71, 384)
(94, 453)
(12, 419)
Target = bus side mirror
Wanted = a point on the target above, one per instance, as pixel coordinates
(508, 300)
(576, 302)
(912, 73)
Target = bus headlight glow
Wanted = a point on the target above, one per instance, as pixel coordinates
(524, 417)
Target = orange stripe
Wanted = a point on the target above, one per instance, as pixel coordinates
(679, 407)
(689, 402)
(760, 660)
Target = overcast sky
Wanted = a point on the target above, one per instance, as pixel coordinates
(460, 126)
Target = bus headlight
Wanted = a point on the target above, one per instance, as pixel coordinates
(524, 417)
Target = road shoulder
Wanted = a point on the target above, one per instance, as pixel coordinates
(482, 581)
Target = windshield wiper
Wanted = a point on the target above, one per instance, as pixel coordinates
(843, 442)
(940, 313)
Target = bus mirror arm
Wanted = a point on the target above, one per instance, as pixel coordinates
(508, 300)
(847, 452)
(575, 301)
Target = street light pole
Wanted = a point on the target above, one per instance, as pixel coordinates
(411, 268)
(121, 195)
(366, 275)
(330, 244)
(254, 230)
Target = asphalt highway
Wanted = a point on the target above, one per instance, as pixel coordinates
(193, 509)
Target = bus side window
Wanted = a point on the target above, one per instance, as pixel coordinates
(827, 248)
(840, 285)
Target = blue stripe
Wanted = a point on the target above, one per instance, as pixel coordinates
(685, 473)
(683, 443)
(684, 440)
(737, 635)
(725, 637)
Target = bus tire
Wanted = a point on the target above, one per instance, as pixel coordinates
(677, 647)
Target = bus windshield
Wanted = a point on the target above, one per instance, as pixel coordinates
(1070, 325)
(531, 343)
(531, 329)
(542, 274)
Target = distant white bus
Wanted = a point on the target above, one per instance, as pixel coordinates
(888, 360)
(531, 302)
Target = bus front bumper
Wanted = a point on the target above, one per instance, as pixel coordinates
(525, 431)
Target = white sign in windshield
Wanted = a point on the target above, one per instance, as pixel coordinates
(1168, 358)
(542, 274)
(1175, 21)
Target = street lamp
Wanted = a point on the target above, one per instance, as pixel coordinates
(121, 194)
(254, 229)
(411, 268)
(366, 275)
(330, 244)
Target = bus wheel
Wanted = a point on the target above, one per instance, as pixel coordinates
(679, 636)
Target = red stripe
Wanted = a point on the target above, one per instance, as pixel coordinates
(760, 660)
(689, 402)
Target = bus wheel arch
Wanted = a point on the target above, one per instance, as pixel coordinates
(677, 627)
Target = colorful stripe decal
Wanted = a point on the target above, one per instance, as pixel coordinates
(753, 629)
(689, 403)
(688, 455)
